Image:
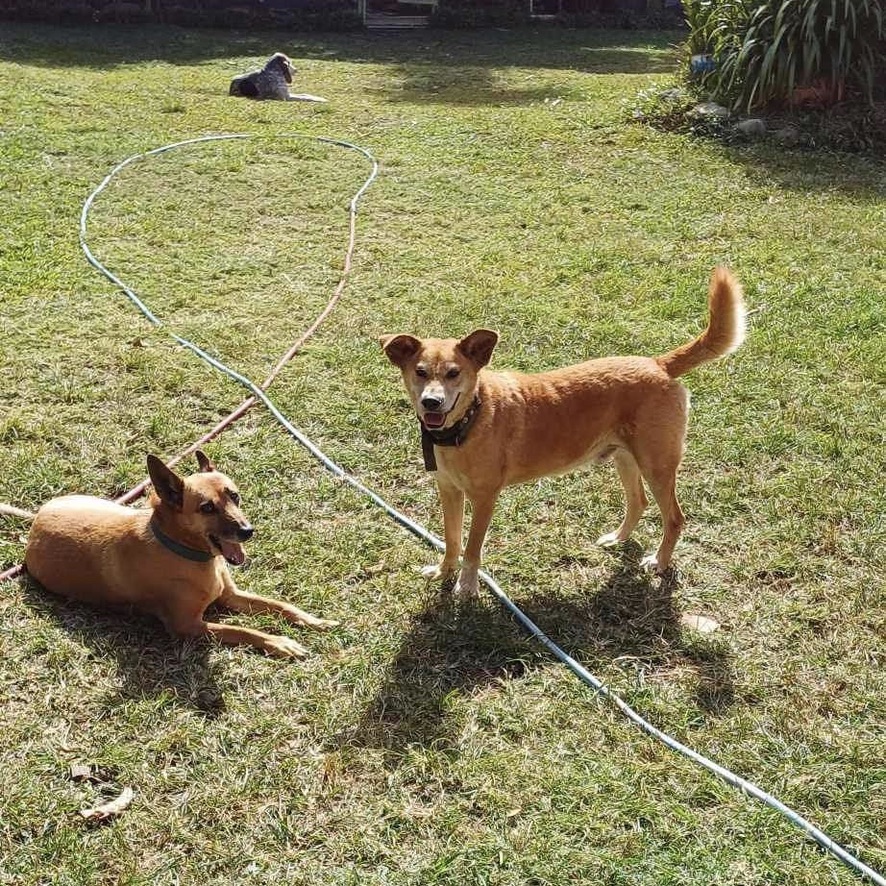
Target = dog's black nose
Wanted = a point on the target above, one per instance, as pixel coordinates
(244, 533)
(432, 403)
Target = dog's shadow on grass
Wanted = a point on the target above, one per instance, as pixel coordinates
(453, 646)
(635, 617)
(459, 646)
(149, 662)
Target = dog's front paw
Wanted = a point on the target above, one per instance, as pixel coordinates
(435, 571)
(609, 540)
(320, 624)
(283, 647)
(650, 564)
(467, 587)
(306, 620)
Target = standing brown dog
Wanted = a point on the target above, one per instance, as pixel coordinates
(169, 560)
(483, 430)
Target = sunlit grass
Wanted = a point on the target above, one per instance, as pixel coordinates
(425, 742)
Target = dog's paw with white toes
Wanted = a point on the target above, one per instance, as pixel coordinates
(322, 624)
(609, 540)
(434, 571)
(283, 647)
(467, 587)
(650, 564)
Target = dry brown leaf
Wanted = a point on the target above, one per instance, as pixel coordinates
(700, 623)
(108, 810)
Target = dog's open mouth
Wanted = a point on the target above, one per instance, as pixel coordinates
(434, 419)
(232, 551)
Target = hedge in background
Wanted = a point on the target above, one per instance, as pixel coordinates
(786, 52)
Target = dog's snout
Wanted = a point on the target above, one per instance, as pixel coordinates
(430, 401)
(244, 533)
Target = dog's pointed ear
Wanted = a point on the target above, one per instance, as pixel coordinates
(167, 484)
(478, 346)
(400, 348)
(205, 465)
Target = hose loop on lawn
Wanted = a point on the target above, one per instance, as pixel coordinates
(258, 393)
(137, 491)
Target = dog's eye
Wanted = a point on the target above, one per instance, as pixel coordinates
(421, 372)
(207, 507)
(453, 373)
(234, 497)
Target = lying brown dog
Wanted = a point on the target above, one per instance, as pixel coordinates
(167, 560)
(483, 430)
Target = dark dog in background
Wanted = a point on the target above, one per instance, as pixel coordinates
(271, 82)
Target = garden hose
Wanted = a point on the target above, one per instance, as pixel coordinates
(258, 393)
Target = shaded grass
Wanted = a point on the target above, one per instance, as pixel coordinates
(427, 742)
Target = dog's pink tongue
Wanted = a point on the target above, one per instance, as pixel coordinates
(434, 419)
(233, 553)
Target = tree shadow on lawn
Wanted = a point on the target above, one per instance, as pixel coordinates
(460, 646)
(464, 86)
(152, 663)
(108, 46)
(456, 73)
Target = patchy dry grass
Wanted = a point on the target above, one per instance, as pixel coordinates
(426, 742)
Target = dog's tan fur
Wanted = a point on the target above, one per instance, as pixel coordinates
(528, 426)
(100, 552)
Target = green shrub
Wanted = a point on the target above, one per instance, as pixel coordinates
(846, 128)
(764, 51)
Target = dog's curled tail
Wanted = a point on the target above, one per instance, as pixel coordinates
(10, 511)
(725, 332)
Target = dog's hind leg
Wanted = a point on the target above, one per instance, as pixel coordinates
(663, 483)
(635, 498)
(658, 456)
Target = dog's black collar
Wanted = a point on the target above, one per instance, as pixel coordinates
(453, 436)
(180, 549)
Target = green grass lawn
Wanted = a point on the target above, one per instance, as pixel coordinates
(425, 741)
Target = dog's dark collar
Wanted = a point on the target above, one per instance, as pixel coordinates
(453, 436)
(177, 548)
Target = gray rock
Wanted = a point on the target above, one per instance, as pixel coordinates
(788, 136)
(753, 127)
(710, 111)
